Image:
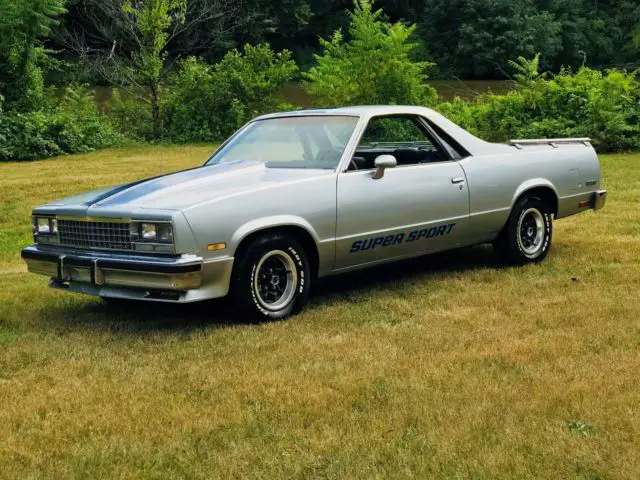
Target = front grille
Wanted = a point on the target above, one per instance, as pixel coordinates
(108, 235)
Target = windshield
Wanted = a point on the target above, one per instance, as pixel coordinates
(290, 142)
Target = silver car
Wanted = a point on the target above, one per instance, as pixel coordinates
(295, 196)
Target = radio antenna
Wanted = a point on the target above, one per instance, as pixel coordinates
(161, 146)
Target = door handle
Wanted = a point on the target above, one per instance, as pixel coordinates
(455, 180)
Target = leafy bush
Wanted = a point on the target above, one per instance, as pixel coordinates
(374, 66)
(208, 103)
(69, 125)
(130, 116)
(603, 106)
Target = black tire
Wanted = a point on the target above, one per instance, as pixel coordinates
(526, 238)
(272, 278)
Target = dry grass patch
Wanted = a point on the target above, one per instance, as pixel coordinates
(446, 367)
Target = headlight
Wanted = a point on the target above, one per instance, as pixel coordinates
(43, 226)
(155, 232)
(165, 233)
(152, 236)
(148, 231)
(45, 229)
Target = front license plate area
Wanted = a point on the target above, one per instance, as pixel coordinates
(76, 270)
(77, 274)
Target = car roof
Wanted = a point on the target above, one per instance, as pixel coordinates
(471, 143)
(359, 111)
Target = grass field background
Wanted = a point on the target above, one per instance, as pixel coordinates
(444, 367)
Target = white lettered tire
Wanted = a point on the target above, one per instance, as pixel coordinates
(526, 238)
(272, 278)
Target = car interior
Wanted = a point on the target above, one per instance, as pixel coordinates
(400, 136)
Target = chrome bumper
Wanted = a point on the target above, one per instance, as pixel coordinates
(94, 271)
(599, 199)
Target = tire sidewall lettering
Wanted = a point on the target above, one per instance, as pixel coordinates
(254, 298)
(299, 263)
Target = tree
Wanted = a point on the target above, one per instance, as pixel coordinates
(209, 102)
(25, 24)
(474, 38)
(130, 42)
(373, 66)
(153, 18)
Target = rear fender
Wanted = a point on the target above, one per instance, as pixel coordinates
(530, 185)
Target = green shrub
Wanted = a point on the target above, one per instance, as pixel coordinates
(130, 116)
(69, 125)
(208, 103)
(374, 66)
(603, 106)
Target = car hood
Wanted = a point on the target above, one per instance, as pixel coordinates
(183, 189)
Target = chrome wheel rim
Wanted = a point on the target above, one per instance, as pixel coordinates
(275, 280)
(531, 232)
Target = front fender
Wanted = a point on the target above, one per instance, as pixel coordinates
(271, 222)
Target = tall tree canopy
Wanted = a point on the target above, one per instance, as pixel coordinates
(23, 26)
(465, 38)
(373, 65)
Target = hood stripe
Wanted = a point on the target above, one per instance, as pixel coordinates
(126, 186)
(135, 191)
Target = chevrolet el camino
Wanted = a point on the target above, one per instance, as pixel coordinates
(295, 196)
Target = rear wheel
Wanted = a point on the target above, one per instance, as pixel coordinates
(526, 238)
(272, 278)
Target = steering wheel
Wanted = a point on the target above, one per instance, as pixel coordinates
(353, 164)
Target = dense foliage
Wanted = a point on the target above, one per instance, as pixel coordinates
(208, 103)
(33, 124)
(589, 103)
(71, 124)
(476, 38)
(23, 27)
(465, 38)
(180, 78)
(374, 66)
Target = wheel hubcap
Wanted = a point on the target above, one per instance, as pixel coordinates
(275, 281)
(531, 231)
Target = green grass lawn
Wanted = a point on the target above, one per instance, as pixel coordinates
(445, 367)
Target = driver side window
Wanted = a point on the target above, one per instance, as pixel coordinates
(401, 136)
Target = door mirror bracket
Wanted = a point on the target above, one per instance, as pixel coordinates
(381, 163)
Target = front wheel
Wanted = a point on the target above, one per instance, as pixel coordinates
(272, 278)
(526, 238)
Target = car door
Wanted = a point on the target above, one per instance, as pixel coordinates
(419, 206)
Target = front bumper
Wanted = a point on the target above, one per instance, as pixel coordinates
(123, 276)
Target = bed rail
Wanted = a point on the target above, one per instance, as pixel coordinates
(554, 142)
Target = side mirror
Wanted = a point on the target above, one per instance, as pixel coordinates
(381, 163)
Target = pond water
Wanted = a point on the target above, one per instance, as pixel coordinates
(447, 90)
